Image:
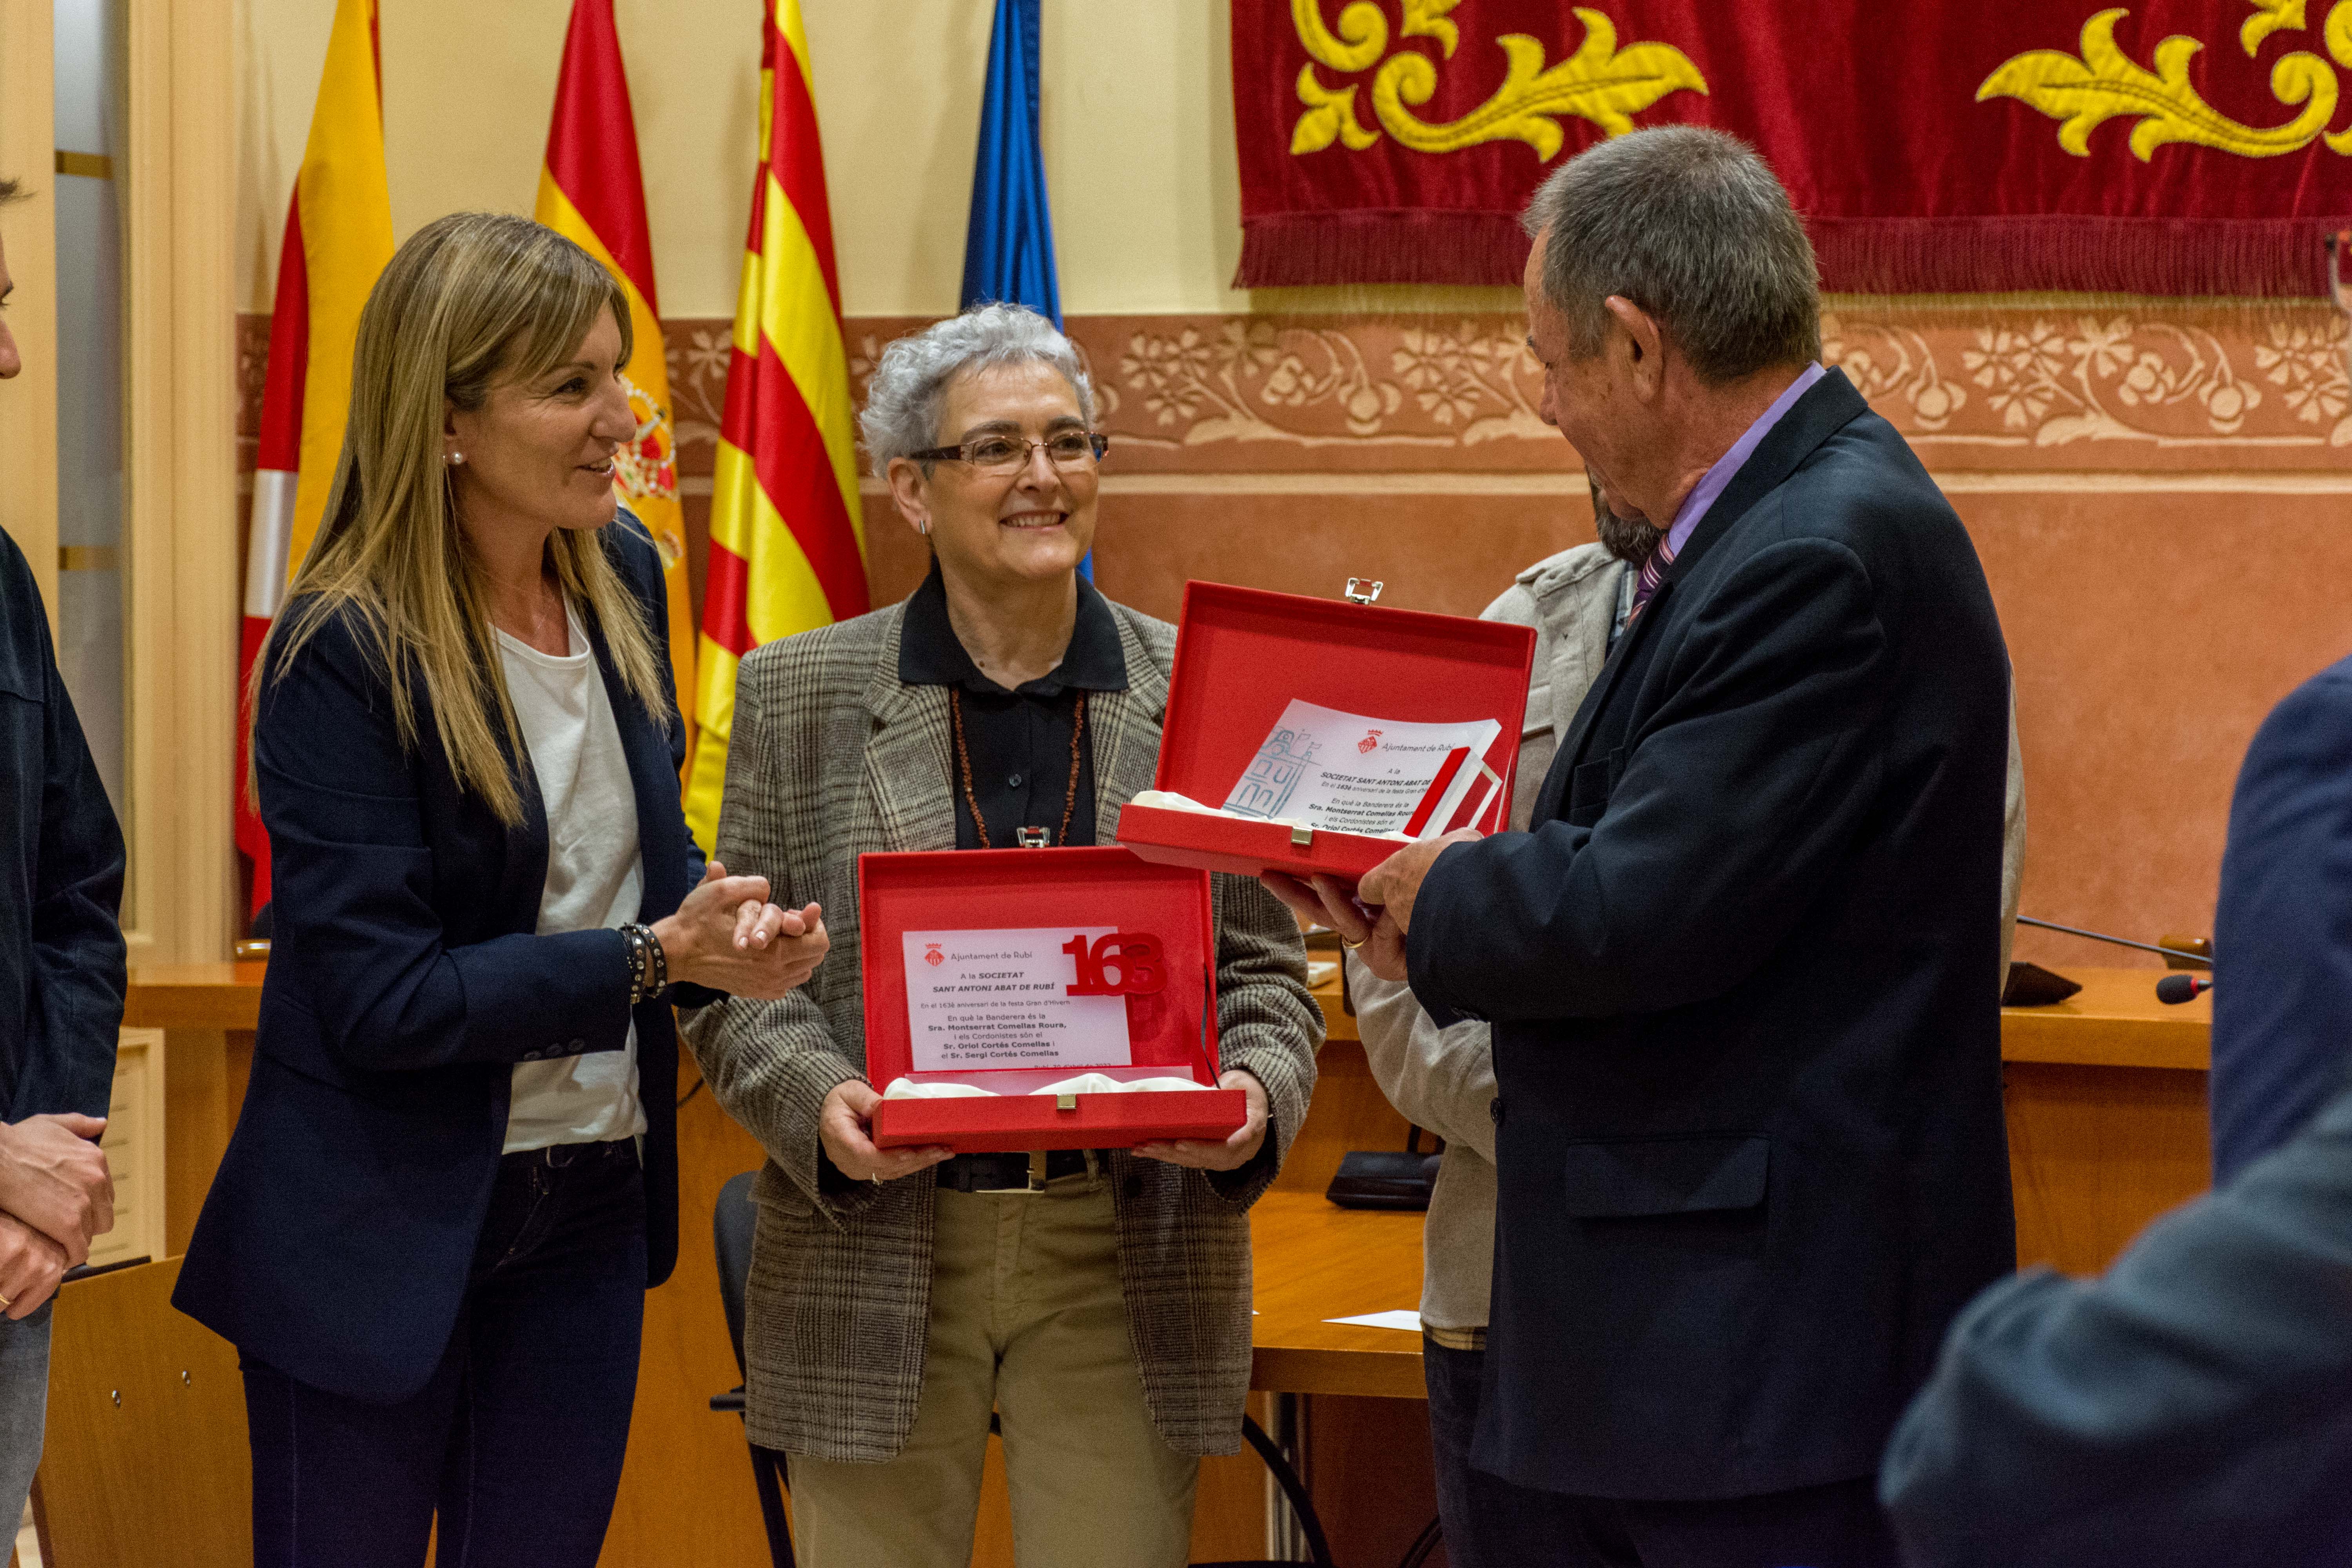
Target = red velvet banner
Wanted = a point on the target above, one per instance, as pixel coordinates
(2179, 147)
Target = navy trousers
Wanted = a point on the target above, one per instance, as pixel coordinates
(1494, 1523)
(517, 1439)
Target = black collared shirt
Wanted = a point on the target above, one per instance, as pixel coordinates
(1018, 741)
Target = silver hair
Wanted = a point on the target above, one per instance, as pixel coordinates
(1692, 226)
(909, 388)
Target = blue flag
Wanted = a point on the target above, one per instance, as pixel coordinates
(1008, 249)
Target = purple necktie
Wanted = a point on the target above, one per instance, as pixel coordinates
(1647, 584)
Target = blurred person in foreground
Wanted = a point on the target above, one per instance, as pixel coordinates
(2190, 1408)
(61, 984)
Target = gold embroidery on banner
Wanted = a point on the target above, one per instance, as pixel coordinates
(2337, 33)
(1599, 82)
(1363, 34)
(2270, 15)
(2105, 83)
(1330, 117)
(1426, 19)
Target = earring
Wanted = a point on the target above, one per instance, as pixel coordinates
(924, 526)
(454, 458)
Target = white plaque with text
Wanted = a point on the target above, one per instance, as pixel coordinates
(1351, 773)
(979, 999)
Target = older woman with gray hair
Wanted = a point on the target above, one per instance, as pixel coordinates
(898, 1296)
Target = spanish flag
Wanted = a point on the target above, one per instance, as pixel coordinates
(787, 547)
(591, 193)
(338, 237)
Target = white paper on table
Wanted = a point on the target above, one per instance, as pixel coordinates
(1000, 999)
(1347, 773)
(1405, 1317)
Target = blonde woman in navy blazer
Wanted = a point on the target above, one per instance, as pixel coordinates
(455, 1173)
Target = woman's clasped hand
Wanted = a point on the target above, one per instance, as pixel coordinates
(729, 937)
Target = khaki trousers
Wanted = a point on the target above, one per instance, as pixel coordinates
(1027, 1320)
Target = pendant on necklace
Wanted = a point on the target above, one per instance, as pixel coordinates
(1032, 837)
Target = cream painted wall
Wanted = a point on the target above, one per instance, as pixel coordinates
(1136, 114)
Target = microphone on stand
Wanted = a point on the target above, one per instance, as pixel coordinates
(2175, 989)
(2119, 941)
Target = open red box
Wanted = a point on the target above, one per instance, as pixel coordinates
(1243, 654)
(1172, 1030)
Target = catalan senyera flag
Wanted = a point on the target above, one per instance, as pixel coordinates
(787, 546)
(591, 193)
(338, 237)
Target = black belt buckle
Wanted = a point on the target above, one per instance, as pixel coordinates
(1032, 1179)
(1015, 1173)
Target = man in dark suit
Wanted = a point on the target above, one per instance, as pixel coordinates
(61, 983)
(2282, 928)
(1749, 1143)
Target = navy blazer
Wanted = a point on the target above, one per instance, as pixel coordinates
(61, 953)
(1750, 1151)
(2191, 1409)
(2283, 930)
(405, 983)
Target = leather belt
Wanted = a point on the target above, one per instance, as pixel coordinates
(1013, 1173)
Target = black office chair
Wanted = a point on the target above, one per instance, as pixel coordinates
(731, 1232)
(730, 1227)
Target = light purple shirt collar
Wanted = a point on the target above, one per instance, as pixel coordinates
(1712, 483)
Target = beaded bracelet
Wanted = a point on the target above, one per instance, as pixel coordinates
(648, 964)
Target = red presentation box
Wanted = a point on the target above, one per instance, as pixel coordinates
(1243, 655)
(1172, 1031)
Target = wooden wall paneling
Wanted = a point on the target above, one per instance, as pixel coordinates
(134, 1142)
(28, 501)
(202, 1095)
(2095, 1153)
(1229, 1512)
(1369, 1471)
(180, 527)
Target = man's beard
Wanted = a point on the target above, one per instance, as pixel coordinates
(1630, 539)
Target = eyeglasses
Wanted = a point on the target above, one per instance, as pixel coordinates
(1069, 450)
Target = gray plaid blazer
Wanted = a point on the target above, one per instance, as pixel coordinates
(831, 756)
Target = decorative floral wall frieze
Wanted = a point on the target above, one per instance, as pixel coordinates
(2028, 386)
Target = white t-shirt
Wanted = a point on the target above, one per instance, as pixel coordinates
(595, 877)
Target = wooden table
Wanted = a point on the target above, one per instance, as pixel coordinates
(1315, 1260)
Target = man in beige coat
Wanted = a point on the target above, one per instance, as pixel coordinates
(1443, 1080)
